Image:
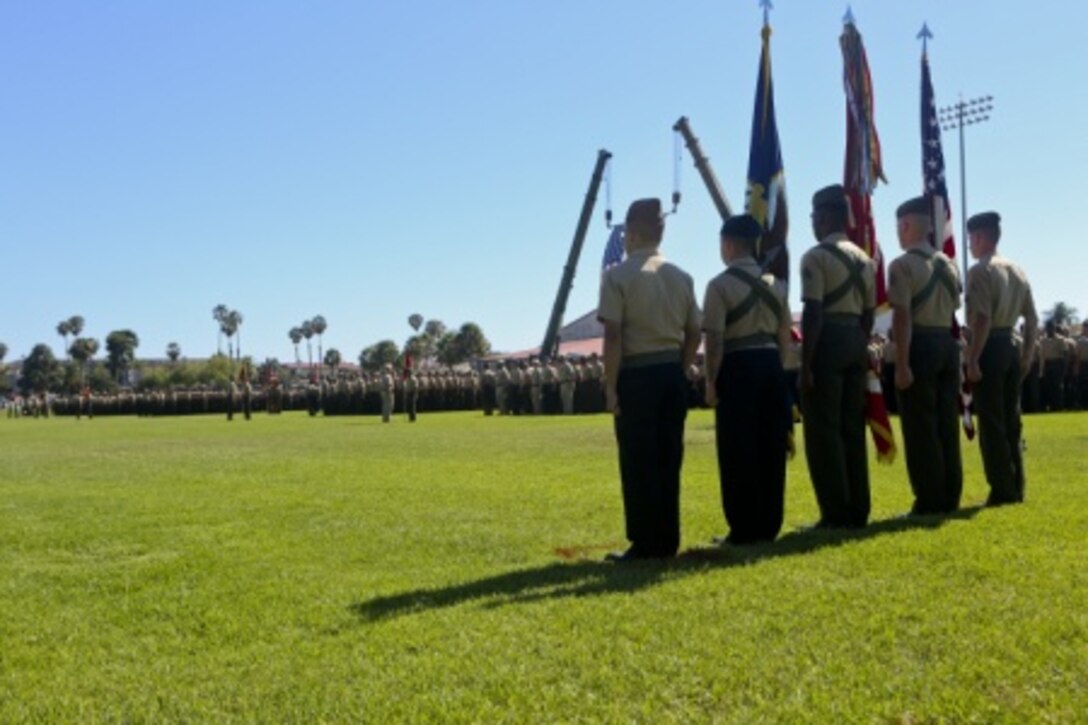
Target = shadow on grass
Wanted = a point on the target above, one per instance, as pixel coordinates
(590, 578)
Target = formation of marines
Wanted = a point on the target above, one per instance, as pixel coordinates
(507, 387)
(1057, 377)
(562, 386)
(1059, 371)
(28, 406)
(652, 331)
(757, 371)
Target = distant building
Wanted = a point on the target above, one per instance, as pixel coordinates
(581, 338)
(585, 336)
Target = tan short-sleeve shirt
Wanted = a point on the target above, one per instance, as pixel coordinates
(1052, 348)
(652, 300)
(726, 293)
(910, 273)
(999, 288)
(822, 274)
(1082, 348)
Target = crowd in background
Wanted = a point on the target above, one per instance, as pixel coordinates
(1057, 380)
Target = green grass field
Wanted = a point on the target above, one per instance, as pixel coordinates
(337, 569)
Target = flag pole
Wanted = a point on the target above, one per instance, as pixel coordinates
(935, 224)
(959, 116)
(963, 189)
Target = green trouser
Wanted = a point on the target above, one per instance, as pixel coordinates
(834, 426)
(997, 402)
(929, 414)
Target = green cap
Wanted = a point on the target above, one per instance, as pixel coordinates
(985, 220)
(644, 216)
(917, 206)
(833, 196)
(742, 226)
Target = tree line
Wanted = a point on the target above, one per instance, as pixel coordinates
(41, 371)
(80, 369)
(435, 343)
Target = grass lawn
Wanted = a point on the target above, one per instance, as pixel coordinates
(337, 569)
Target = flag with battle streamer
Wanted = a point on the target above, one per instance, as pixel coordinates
(863, 171)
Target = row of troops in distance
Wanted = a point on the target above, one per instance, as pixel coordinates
(526, 387)
(1056, 380)
(653, 328)
(380, 393)
(535, 387)
(508, 387)
(389, 391)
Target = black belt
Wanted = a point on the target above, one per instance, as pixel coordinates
(649, 359)
(1000, 332)
(931, 330)
(748, 342)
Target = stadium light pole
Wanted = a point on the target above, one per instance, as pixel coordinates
(958, 117)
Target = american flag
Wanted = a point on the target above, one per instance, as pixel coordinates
(936, 190)
(613, 251)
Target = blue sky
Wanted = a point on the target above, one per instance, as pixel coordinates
(369, 160)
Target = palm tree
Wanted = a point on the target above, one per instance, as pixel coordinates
(235, 318)
(75, 325)
(307, 329)
(332, 359)
(225, 331)
(1061, 314)
(3, 351)
(64, 330)
(173, 351)
(219, 314)
(229, 326)
(319, 325)
(83, 350)
(434, 328)
(295, 333)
